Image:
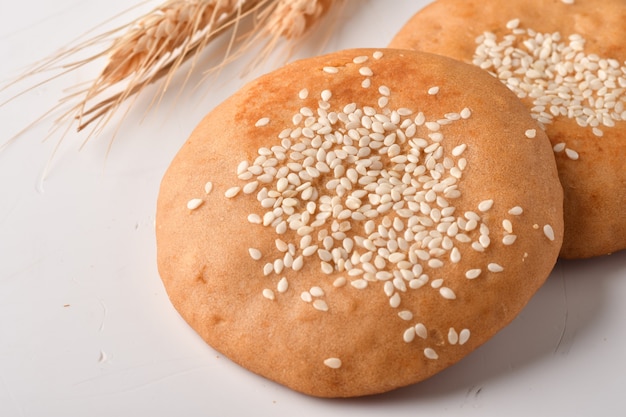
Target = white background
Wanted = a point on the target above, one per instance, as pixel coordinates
(86, 328)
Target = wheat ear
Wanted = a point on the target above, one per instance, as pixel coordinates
(154, 46)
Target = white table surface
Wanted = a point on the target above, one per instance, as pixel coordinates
(86, 328)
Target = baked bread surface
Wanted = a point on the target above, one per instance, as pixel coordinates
(434, 214)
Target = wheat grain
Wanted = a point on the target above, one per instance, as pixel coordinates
(292, 18)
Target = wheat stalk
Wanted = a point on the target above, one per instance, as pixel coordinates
(154, 47)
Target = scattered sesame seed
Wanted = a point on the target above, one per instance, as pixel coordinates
(453, 336)
(420, 330)
(320, 305)
(255, 254)
(394, 300)
(254, 219)
(283, 285)
(447, 293)
(485, 205)
(208, 187)
(509, 239)
(262, 122)
(306, 297)
(194, 203)
(269, 294)
(512, 24)
(516, 211)
(433, 90)
(430, 353)
(409, 334)
(366, 83)
(316, 291)
(377, 55)
(549, 232)
(571, 154)
(472, 273)
(232, 192)
(303, 94)
(331, 70)
(339, 282)
(464, 336)
(333, 363)
(405, 315)
(366, 71)
(494, 267)
(531, 133)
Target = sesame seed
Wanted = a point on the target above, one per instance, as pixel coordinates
(333, 363)
(366, 83)
(269, 294)
(208, 187)
(509, 239)
(453, 336)
(512, 24)
(531, 133)
(359, 284)
(433, 90)
(472, 273)
(430, 353)
(464, 336)
(254, 219)
(339, 282)
(331, 70)
(485, 205)
(459, 149)
(516, 211)
(306, 297)
(360, 59)
(409, 335)
(366, 71)
(447, 293)
(320, 305)
(232, 192)
(420, 331)
(262, 122)
(571, 154)
(255, 253)
(494, 267)
(549, 232)
(394, 300)
(405, 315)
(194, 203)
(377, 55)
(316, 291)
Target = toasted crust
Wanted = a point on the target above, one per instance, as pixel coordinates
(358, 347)
(595, 182)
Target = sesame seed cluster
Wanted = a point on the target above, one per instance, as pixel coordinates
(367, 195)
(560, 78)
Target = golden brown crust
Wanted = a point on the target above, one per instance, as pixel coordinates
(216, 285)
(595, 183)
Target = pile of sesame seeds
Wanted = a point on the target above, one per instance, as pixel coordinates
(368, 195)
(560, 78)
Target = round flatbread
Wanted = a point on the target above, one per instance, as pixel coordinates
(567, 61)
(357, 222)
